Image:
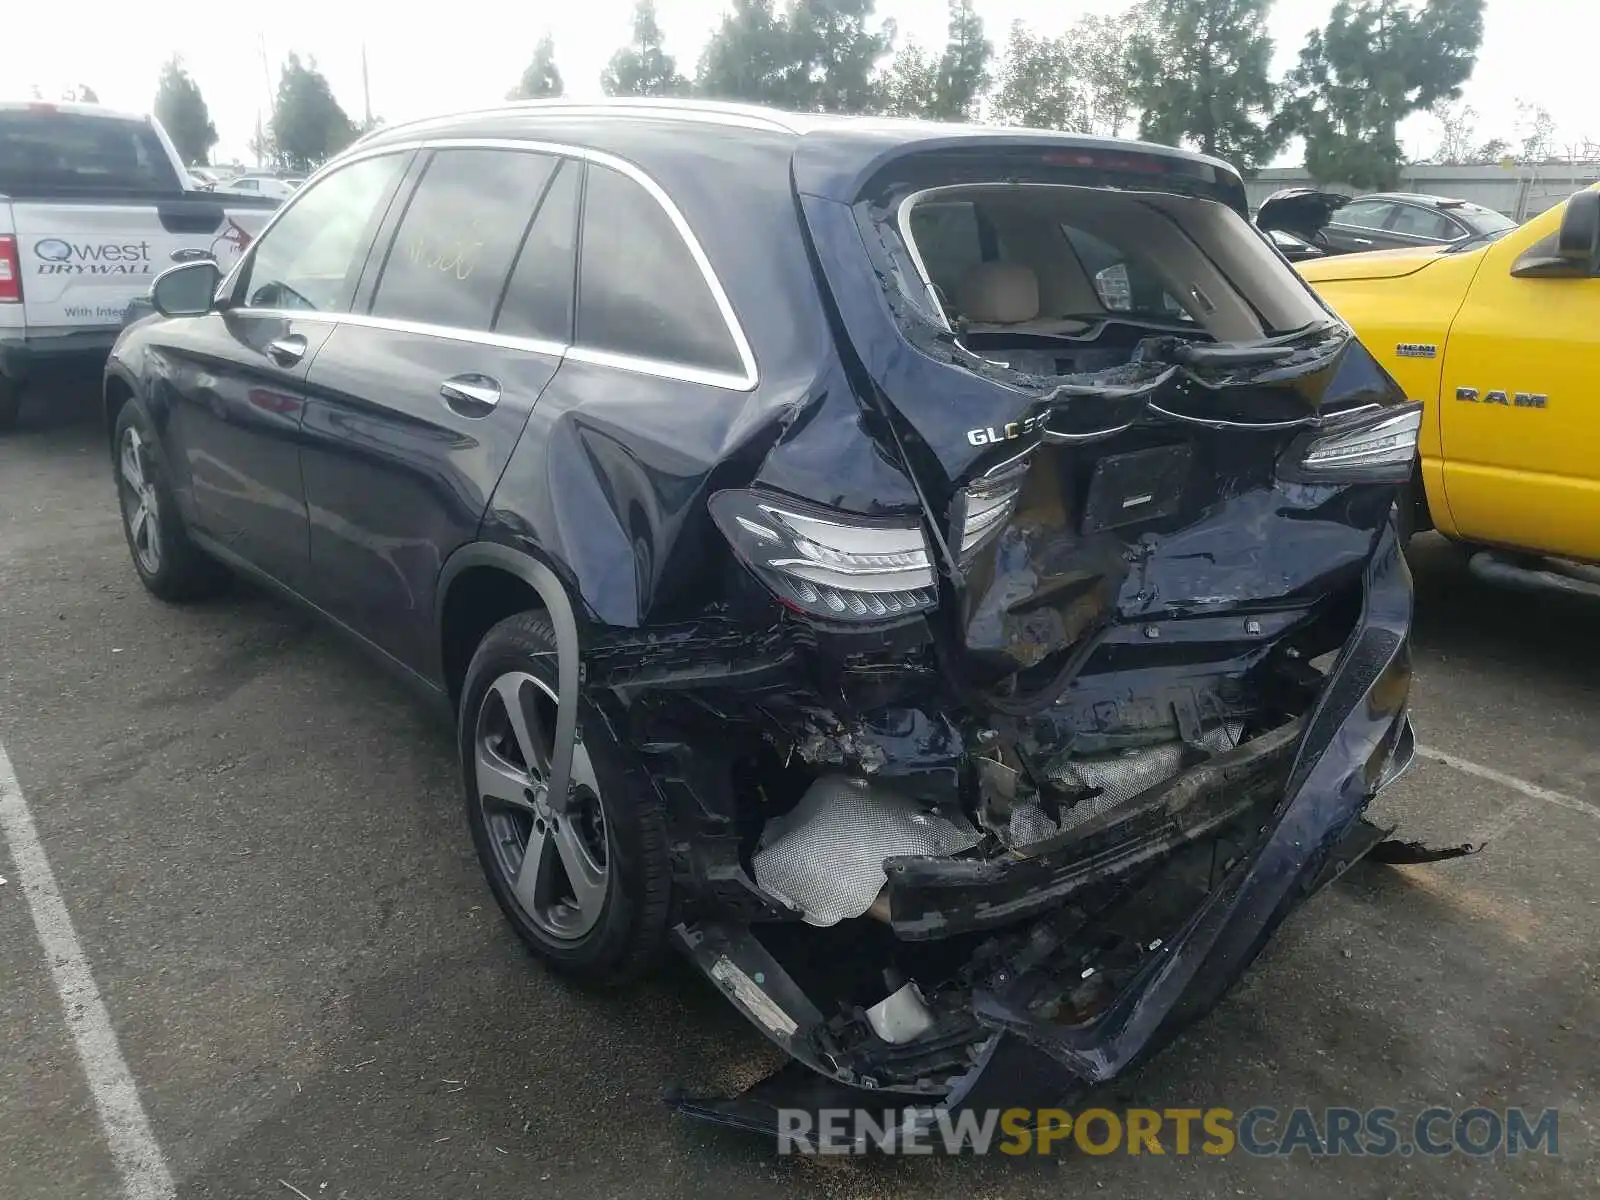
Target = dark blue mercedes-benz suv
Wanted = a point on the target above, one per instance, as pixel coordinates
(942, 579)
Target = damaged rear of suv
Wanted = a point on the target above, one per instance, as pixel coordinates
(944, 581)
(1054, 761)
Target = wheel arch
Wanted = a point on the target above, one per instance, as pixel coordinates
(116, 391)
(477, 582)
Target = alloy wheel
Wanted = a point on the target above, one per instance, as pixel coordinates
(140, 507)
(552, 850)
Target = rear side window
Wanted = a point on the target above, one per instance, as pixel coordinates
(949, 241)
(538, 300)
(1124, 282)
(42, 150)
(1364, 214)
(1421, 222)
(1485, 220)
(450, 256)
(311, 256)
(640, 291)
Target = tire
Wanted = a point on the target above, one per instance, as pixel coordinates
(168, 562)
(617, 930)
(1412, 514)
(10, 405)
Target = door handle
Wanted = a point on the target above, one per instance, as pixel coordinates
(286, 351)
(471, 395)
(1362, 241)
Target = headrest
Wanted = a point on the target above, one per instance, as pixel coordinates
(998, 294)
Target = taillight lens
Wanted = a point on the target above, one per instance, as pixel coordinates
(983, 507)
(830, 564)
(10, 271)
(1369, 447)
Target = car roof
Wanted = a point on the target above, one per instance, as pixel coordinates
(1421, 198)
(74, 108)
(833, 154)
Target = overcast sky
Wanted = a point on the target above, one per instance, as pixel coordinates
(431, 58)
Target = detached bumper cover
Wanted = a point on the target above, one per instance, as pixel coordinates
(1350, 737)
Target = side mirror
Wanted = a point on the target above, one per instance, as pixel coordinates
(1579, 240)
(186, 290)
(1573, 251)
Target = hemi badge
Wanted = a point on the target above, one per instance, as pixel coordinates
(1416, 350)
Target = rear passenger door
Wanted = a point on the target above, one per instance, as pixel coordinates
(1422, 225)
(617, 458)
(416, 400)
(1360, 225)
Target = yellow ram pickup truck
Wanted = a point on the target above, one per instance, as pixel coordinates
(1500, 338)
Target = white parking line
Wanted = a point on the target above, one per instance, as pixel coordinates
(1531, 790)
(133, 1146)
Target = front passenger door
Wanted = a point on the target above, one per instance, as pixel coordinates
(1420, 225)
(237, 380)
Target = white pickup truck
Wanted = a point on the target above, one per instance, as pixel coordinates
(94, 204)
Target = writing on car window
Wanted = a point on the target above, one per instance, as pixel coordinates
(456, 242)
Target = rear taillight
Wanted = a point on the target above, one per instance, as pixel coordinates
(10, 271)
(826, 563)
(983, 507)
(1372, 446)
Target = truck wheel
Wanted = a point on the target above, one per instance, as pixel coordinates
(585, 879)
(169, 564)
(10, 405)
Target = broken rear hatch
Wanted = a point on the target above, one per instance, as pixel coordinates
(1154, 480)
(1304, 212)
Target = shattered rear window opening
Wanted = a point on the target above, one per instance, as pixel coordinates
(1032, 274)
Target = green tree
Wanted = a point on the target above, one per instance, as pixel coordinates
(1492, 152)
(82, 94)
(541, 77)
(964, 67)
(948, 89)
(182, 111)
(262, 148)
(746, 56)
(1200, 73)
(1536, 129)
(1375, 63)
(1458, 129)
(308, 125)
(643, 68)
(814, 55)
(910, 87)
(1037, 87)
(834, 47)
(1100, 50)
(1080, 81)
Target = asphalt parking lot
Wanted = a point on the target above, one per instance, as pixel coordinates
(257, 837)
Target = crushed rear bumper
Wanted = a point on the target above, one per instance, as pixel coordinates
(1188, 946)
